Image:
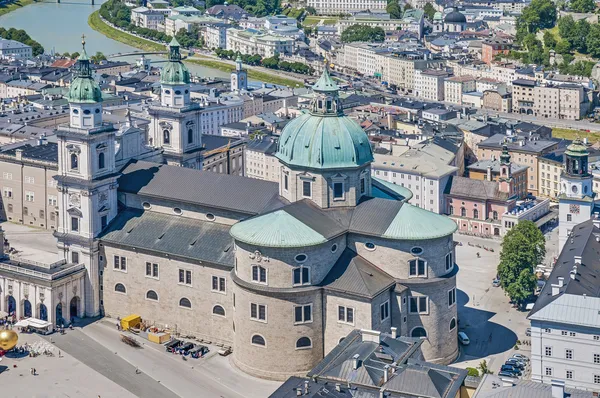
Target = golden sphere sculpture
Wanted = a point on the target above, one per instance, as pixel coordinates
(8, 339)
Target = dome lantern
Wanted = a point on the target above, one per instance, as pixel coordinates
(84, 89)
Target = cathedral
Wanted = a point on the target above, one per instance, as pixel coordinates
(280, 271)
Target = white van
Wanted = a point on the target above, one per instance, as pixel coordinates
(463, 338)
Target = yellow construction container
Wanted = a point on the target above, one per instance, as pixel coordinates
(159, 338)
(131, 321)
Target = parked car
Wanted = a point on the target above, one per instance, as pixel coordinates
(172, 345)
(528, 332)
(463, 338)
(507, 374)
(496, 282)
(515, 363)
(510, 369)
(521, 357)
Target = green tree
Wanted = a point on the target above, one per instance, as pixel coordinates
(523, 248)
(74, 55)
(363, 33)
(484, 367)
(582, 5)
(271, 62)
(593, 41)
(563, 47)
(540, 14)
(549, 40)
(429, 11)
(96, 58)
(472, 372)
(311, 10)
(394, 9)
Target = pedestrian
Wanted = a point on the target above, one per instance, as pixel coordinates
(31, 371)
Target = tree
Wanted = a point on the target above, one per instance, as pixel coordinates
(549, 40)
(363, 33)
(484, 367)
(593, 41)
(563, 47)
(96, 58)
(582, 5)
(472, 372)
(523, 248)
(429, 11)
(74, 55)
(393, 8)
(540, 14)
(271, 62)
(311, 10)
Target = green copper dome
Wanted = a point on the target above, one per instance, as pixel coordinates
(84, 88)
(577, 148)
(324, 138)
(174, 72)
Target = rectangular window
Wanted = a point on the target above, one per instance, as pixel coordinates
(29, 196)
(451, 297)
(572, 334)
(568, 353)
(258, 312)
(7, 176)
(548, 351)
(564, 332)
(285, 182)
(338, 190)
(75, 257)
(306, 189)
(218, 284)
(185, 277)
(7, 192)
(569, 374)
(418, 305)
(259, 274)
(569, 217)
(346, 314)
(303, 313)
(597, 379)
(384, 311)
(29, 180)
(362, 185)
(548, 371)
(152, 270)
(74, 224)
(301, 276)
(52, 200)
(417, 267)
(449, 262)
(117, 262)
(596, 358)
(123, 263)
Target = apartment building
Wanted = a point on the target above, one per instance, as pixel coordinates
(492, 47)
(566, 101)
(254, 42)
(336, 7)
(455, 86)
(498, 100)
(365, 58)
(29, 194)
(261, 162)
(14, 49)
(399, 68)
(429, 84)
(148, 18)
(411, 21)
(215, 35)
(551, 167)
(507, 6)
(502, 72)
(174, 23)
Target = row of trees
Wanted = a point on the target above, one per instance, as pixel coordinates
(21, 36)
(582, 5)
(271, 62)
(523, 248)
(260, 8)
(190, 39)
(231, 55)
(363, 33)
(117, 13)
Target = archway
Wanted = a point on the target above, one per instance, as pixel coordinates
(530, 111)
(59, 315)
(74, 307)
(11, 305)
(43, 312)
(27, 312)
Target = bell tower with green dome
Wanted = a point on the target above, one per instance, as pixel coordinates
(325, 156)
(176, 123)
(86, 182)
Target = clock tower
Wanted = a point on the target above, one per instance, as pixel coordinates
(576, 199)
(239, 77)
(87, 181)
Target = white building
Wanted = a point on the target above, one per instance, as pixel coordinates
(365, 58)
(174, 23)
(455, 86)
(565, 327)
(14, 49)
(334, 7)
(254, 42)
(429, 84)
(215, 35)
(260, 160)
(147, 18)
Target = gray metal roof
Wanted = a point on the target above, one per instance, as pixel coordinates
(471, 188)
(354, 275)
(493, 387)
(223, 191)
(173, 235)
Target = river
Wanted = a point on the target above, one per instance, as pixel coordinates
(59, 27)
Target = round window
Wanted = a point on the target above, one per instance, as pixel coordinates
(86, 112)
(416, 250)
(210, 217)
(177, 92)
(97, 111)
(186, 91)
(146, 205)
(370, 246)
(177, 210)
(300, 258)
(334, 248)
(167, 91)
(75, 112)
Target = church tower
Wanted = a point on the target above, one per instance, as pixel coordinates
(506, 180)
(576, 198)
(176, 125)
(87, 180)
(239, 77)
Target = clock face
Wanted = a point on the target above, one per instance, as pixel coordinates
(574, 209)
(74, 200)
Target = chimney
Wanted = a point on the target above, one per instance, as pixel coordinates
(382, 393)
(558, 389)
(394, 332)
(338, 387)
(561, 281)
(489, 173)
(555, 290)
(355, 361)
(306, 387)
(371, 335)
(299, 392)
(19, 154)
(386, 373)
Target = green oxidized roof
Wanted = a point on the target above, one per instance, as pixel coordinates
(277, 229)
(577, 148)
(174, 72)
(325, 83)
(84, 88)
(399, 189)
(414, 223)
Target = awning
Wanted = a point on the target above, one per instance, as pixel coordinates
(34, 323)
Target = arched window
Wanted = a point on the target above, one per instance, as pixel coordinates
(450, 210)
(166, 136)
(257, 339)
(151, 295)
(184, 302)
(101, 160)
(495, 215)
(463, 212)
(119, 287)
(452, 324)
(190, 136)
(218, 310)
(303, 342)
(476, 214)
(74, 161)
(418, 332)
